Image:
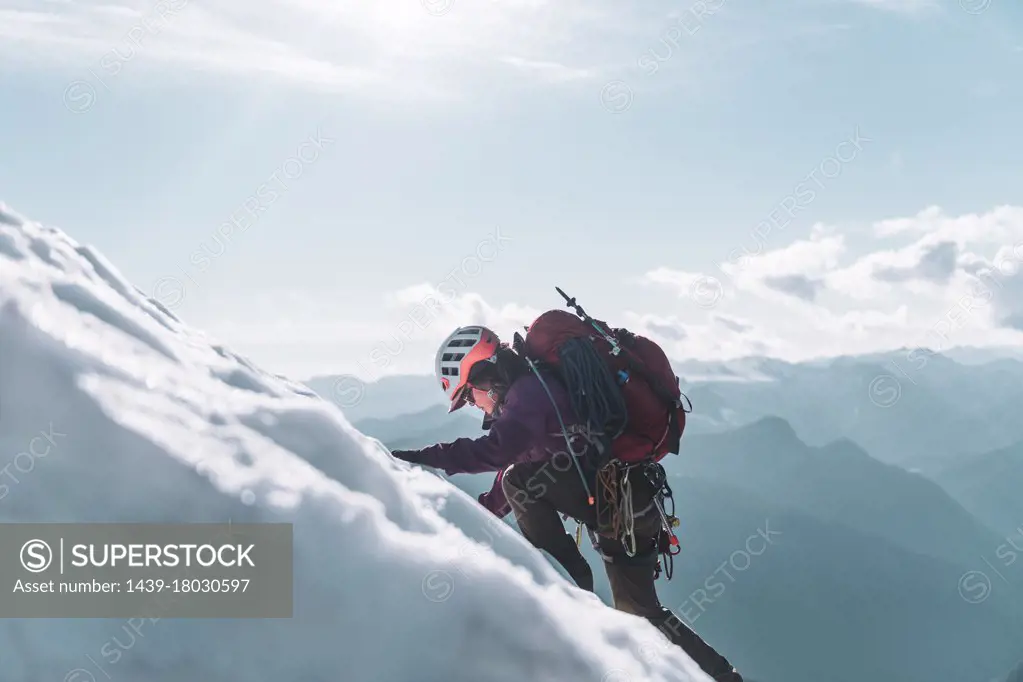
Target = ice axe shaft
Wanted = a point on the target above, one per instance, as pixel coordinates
(570, 303)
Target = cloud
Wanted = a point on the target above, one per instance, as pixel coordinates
(1013, 320)
(440, 311)
(861, 322)
(945, 280)
(679, 280)
(966, 269)
(937, 264)
(812, 256)
(811, 297)
(668, 331)
(926, 220)
(722, 338)
(944, 257)
(404, 335)
(411, 46)
(732, 323)
(549, 71)
(1000, 225)
(423, 49)
(688, 285)
(795, 271)
(922, 267)
(998, 283)
(799, 286)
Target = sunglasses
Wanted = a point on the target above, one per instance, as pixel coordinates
(468, 395)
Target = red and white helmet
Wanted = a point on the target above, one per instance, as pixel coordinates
(460, 351)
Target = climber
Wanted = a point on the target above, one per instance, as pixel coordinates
(538, 448)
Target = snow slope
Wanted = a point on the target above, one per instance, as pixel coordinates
(398, 576)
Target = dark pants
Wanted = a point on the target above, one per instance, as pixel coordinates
(538, 492)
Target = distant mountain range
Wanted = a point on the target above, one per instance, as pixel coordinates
(919, 410)
(913, 409)
(837, 483)
(990, 486)
(428, 426)
(385, 398)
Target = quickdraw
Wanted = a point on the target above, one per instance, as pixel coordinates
(617, 516)
(668, 543)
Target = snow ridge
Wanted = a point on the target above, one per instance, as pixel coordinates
(398, 575)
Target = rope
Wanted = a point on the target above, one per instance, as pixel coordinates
(617, 498)
(607, 476)
(596, 396)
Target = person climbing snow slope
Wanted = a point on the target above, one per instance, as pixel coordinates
(545, 460)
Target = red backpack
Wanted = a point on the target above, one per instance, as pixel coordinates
(621, 383)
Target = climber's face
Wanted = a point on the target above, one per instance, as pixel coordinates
(482, 397)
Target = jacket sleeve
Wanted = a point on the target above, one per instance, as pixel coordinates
(495, 499)
(508, 441)
(512, 438)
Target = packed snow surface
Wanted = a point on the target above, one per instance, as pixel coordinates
(398, 575)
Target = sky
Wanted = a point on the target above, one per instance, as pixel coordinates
(333, 187)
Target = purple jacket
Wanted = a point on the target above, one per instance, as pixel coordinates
(525, 430)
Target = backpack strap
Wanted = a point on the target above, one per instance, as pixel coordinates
(564, 430)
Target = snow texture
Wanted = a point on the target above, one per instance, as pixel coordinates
(399, 576)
